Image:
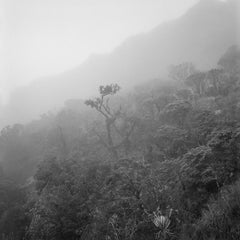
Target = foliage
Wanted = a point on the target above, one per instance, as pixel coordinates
(13, 218)
(196, 82)
(112, 117)
(176, 112)
(171, 140)
(159, 163)
(182, 71)
(230, 61)
(221, 219)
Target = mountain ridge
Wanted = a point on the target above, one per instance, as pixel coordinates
(200, 36)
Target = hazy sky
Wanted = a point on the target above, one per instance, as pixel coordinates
(42, 37)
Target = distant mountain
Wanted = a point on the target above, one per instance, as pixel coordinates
(201, 36)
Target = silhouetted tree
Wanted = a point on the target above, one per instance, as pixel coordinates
(101, 104)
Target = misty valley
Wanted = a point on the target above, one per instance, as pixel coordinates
(146, 147)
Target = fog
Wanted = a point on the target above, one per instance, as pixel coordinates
(40, 38)
(52, 51)
(119, 120)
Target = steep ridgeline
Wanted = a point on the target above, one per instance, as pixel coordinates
(201, 36)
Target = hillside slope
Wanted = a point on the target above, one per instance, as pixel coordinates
(201, 36)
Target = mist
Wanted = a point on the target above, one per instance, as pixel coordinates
(119, 120)
(50, 37)
(68, 48)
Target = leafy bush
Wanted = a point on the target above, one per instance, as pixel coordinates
(222, 218)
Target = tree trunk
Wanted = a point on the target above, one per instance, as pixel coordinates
(112, 149)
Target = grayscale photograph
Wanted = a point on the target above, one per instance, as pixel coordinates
(119, 119)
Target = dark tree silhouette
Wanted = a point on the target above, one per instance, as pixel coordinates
(101, 104)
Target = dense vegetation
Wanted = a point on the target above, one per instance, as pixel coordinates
(161, 162)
